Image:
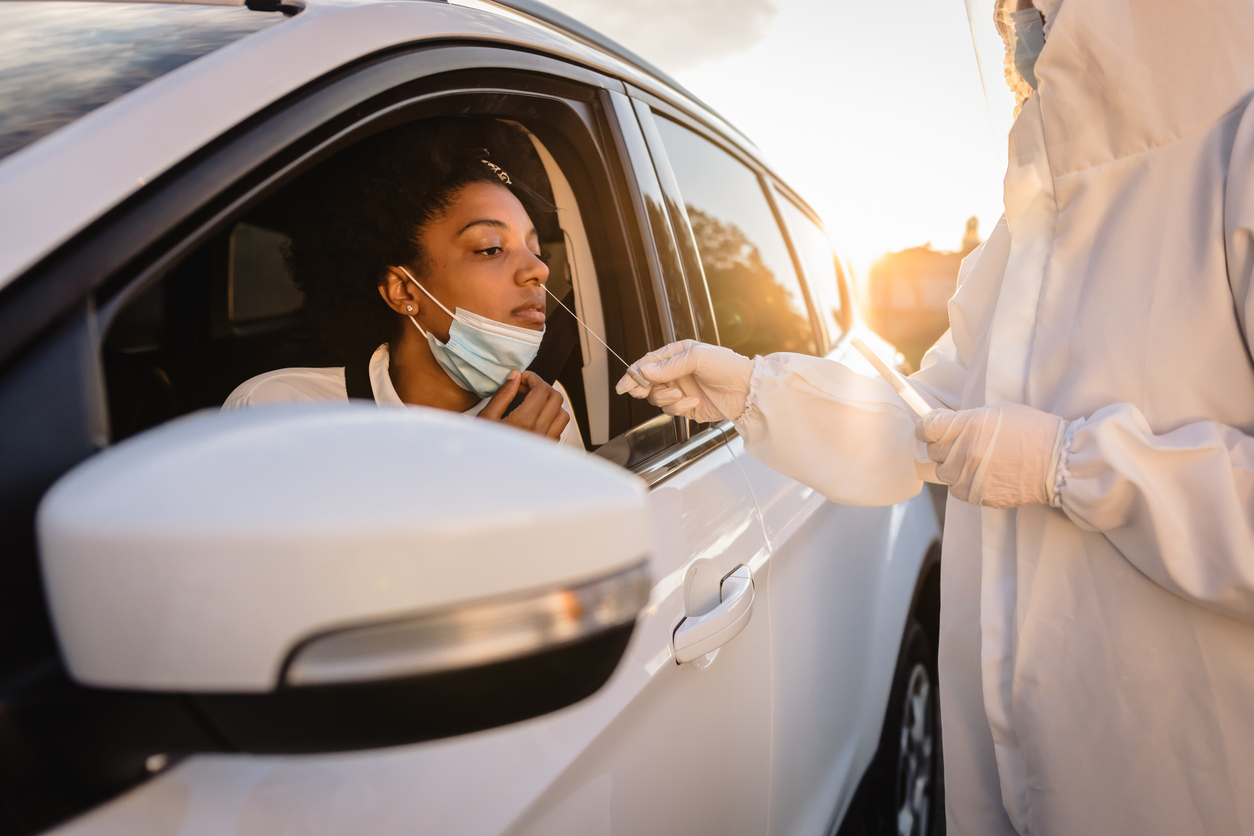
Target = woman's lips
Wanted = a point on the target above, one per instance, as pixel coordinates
(529, 314)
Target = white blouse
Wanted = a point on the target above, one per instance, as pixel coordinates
(297, 385)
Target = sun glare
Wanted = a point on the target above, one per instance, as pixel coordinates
(876, 113)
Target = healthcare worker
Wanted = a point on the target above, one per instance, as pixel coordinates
(1097, 592)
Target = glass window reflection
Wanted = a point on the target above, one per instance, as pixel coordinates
(758, 302)
(60, 61)
(818, 261)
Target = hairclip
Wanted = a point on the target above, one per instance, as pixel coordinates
(527, 195)
(500, 172)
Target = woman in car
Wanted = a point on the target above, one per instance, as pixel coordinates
(414, 250)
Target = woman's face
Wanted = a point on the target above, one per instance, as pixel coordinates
(483, 255)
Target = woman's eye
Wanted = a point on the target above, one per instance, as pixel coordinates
(490, 251)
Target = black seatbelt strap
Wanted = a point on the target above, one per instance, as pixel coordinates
(357, 377)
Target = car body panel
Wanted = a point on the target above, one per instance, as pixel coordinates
(842, 578)
(710, 720)
(594, 762)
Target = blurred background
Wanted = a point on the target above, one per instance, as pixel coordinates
(874, 111)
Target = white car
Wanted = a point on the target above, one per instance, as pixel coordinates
(340, 619)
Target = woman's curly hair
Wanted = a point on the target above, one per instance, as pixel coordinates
(362, 212)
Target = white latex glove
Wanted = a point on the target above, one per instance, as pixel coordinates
(1002, 456)
(696, 380)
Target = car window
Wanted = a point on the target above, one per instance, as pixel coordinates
(814, 250)
(758, 302)
(60, 61)
(231, 309)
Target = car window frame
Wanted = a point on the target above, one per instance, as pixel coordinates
(687, 268)
(680, 286)
(629, 188)
(670, 297)
(623, 269)
(651, 108)
(780, 191)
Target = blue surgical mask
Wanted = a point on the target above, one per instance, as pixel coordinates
(480, 352)
(1029, 40)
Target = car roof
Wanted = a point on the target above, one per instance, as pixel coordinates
(53, 188)
(546, 13)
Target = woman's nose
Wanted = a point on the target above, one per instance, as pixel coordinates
(535, 270)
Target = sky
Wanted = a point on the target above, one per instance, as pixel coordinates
(873, 111)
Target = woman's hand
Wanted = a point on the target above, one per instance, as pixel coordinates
(540, 412)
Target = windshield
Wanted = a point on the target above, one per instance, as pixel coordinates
(61, 60)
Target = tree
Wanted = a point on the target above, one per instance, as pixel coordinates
(755, 312)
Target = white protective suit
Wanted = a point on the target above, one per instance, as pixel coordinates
(1096, 659)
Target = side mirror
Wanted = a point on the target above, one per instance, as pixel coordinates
(329, 577)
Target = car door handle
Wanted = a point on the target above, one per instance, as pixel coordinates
(698, 635)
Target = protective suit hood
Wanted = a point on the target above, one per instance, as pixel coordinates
(1121, 78)
(1049, 10)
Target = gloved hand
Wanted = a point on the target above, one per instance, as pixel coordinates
(1002, 456)
(696, 380)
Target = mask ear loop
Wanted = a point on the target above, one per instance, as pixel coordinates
(414, 319)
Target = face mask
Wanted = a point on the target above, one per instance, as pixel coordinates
(480, 352)
(1029, 38)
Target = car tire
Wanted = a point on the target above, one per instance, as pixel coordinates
(906, 791)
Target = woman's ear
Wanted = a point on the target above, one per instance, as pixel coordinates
(399, 292)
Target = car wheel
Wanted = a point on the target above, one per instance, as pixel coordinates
(906, 797)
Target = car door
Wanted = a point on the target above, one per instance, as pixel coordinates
(691, 754)
(827, 560)
(662, 747)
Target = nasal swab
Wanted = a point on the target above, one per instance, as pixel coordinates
(632, 369)
(912, 398)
